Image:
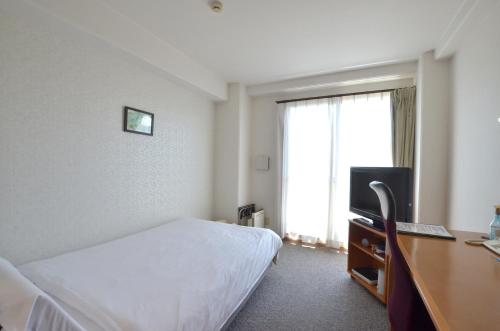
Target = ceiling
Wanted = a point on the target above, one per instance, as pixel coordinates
(258, 41)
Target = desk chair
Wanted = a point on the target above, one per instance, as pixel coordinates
(406, 309)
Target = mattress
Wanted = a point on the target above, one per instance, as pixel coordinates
(188, 274)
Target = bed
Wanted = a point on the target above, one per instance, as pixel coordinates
(188, 274)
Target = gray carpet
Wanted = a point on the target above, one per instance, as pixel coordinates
(310, 289)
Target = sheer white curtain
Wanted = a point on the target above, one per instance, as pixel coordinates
(307, 172)
(321, 140)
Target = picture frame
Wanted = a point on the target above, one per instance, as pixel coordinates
(138, 121)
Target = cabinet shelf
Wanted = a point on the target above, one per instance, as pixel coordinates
(367, 251)
(371, 288)
(360, 256)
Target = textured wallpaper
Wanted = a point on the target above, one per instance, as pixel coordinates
(69, 176)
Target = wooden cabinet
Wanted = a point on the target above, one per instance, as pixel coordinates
(360, 255)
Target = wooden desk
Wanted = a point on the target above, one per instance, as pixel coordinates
(459, 283)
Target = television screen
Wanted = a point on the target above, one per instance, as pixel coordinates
(364, 201)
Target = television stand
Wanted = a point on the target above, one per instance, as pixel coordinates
(361, 256)
(365, 221)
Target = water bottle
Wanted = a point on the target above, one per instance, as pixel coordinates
(495, 225)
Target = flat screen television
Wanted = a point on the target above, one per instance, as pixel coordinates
(364, 201)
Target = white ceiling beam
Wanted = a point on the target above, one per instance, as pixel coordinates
(342, 78)
(469, 13)
(100, 20)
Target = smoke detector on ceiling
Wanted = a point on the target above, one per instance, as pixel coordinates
(216, 6)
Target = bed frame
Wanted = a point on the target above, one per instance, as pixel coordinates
(248, 295)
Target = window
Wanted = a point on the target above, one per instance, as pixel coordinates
(323, 138)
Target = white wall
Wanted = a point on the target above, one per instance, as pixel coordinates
(338, 79)
(98, 18)
(69, 176)
(432, 140)
(475, 152)
(227, 155)
(244, 184)
(232, 160)
(264, 126)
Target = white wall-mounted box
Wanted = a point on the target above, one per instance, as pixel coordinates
(262, 162)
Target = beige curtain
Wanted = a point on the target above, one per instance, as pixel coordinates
(403, 104)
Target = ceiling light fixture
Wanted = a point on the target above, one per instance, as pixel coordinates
(216, 6)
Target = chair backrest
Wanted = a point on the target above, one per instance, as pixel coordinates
(402, 295)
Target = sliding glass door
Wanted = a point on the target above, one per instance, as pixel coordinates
(308, 152)
(322, 139)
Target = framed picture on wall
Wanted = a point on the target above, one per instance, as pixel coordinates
(138, 121)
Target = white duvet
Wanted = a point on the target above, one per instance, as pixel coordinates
(185, 275)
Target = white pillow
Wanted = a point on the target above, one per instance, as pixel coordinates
(24, 307)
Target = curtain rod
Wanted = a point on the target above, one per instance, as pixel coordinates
(335, 95)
